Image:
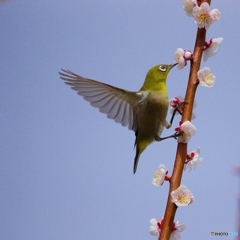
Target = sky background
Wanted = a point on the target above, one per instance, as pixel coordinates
(65, 169)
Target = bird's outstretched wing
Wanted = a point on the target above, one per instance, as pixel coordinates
(117, 103)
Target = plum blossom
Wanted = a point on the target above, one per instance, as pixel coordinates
(204, 17)
(155, 229)
(175, 102)
(187, 130)
(182, 196)
(211, 48)
(188, 55)
(205, 77)
(160, 176)
(181, 57)
(215, 14)
(193, 160)
(188, 6)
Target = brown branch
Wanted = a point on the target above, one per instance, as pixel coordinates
(181, 152)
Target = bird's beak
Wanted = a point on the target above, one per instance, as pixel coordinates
(173, 65)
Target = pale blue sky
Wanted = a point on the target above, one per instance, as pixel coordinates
(65, 169)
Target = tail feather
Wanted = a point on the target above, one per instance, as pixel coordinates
(136, 159)
(140, 147)
(141, 143)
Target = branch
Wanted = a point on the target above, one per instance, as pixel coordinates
(181, 152)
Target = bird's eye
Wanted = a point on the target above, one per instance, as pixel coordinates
(162, 68)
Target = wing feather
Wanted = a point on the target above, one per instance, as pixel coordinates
(117, 103)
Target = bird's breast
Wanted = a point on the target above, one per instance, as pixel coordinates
(152, 112)
(157, 98)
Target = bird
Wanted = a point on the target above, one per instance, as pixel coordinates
(144, 111)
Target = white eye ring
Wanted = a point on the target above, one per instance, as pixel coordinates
(162, 68)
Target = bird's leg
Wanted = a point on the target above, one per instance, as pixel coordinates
(169, 124)
(175, 135)
(176, 109)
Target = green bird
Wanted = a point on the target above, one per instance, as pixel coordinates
(143, 111)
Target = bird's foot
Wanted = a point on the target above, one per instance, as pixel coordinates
(175, 135)
(167, 125)
(158, 139)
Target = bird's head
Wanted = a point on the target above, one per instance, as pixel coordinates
(156, 78)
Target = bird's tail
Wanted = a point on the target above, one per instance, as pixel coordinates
(140, 147)
(136, 159)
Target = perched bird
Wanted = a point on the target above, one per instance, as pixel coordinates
(143, 111)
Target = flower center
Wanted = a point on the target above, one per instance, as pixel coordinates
(158, 175)
(178, 57)
(186, 134)
(183, 199)
(209, 78)
(203, 17)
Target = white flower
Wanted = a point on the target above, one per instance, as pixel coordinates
(204, 17)
(215, 14)
(188, 6)
(159, 175)
(193, 160)
(182, 196)
(181, 57)
(177, 228)
(206, 78)
(211, 48)
(174, 102)
(155, 229)
(188, 130)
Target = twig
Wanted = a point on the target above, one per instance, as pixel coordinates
(181, 153)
